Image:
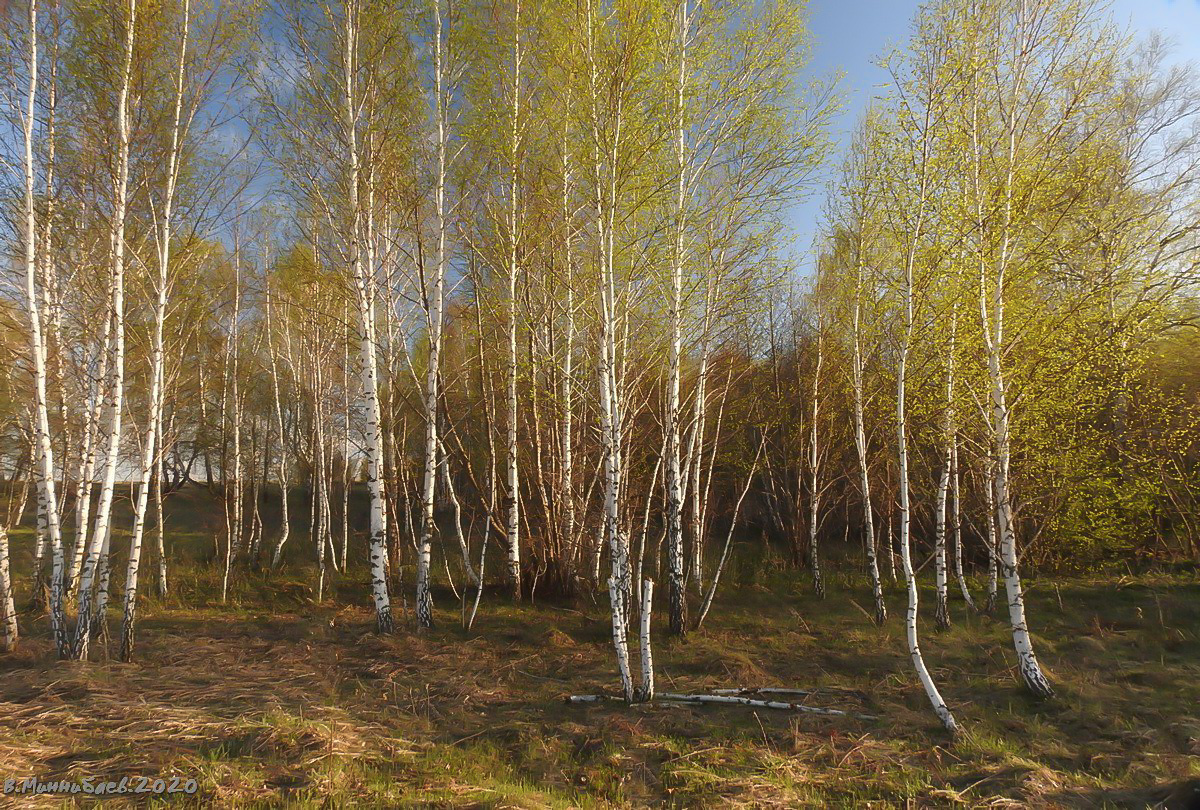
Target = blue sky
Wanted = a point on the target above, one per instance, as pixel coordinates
(848, 35)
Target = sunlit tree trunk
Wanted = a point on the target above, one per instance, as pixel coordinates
(151, 449)
(161, 528)
(910, 624)
(103, 587)
(913, 237)
(513, 497)
(677, 617)
(814, 464)
(47, 500)
(611, 436)
(956, 525)
(116, 384)
(285, 521)
(364, 275)
(8, 608)
(693, 466)
(991, 310)
(860, 446)
(433, 309)
(87, 462)
(567, 481)
(233, 492)
(993, 570)
(942, 610)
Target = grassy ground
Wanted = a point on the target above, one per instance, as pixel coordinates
(276, 700)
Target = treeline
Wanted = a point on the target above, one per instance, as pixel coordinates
(523, 269)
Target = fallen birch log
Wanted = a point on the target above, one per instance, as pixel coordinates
(722, 698)
(777, 690)
(764, 704)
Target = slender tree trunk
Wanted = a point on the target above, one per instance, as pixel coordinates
(8, 608)
(320, 492)
(914, 649)
(103, 587)
(163, 588)
(567, 481)
(941, 530)
(47, 500)
(285, 523)
(693, 465)
(364, 274)
(992, 318)
(677, 616)
(956, 519)
(116, 387)
(910, 578)
(891, 545)
(233, 490)
(619, 583)
(346, 446)
(424, 599)
(646, 691)
(814, 466)
(151, 450)
(513, 496)
(860, 445)
(87, 462)
(993, 572)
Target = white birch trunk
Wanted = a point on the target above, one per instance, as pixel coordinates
(993, 572)
(693, 464)
(646, 692)
(346, 445)
(227, 554)
(567, 481)
(677, 613)
(424, 598)
(320, 494)
(8, 608)
(860, 446)
(814, 465)
(161, 527)
(116, 386)
(512, 527)
(992, 319)
(150, 448)
(910, 625)
(47, 501)
(941, 530)
(910, 622)
(233, 502)
(941, 610)
(103, 587)
(956, 520)
(87, 463)
(610, 412)
(285, 522)
(369, 383)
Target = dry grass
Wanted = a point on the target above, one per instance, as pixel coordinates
(300, 704)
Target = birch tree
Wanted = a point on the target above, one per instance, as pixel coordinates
(151, 450)
(921, 114)
(47, 499)
(433, 295)
(1045, 62)
(116, 383)
(364, 285)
